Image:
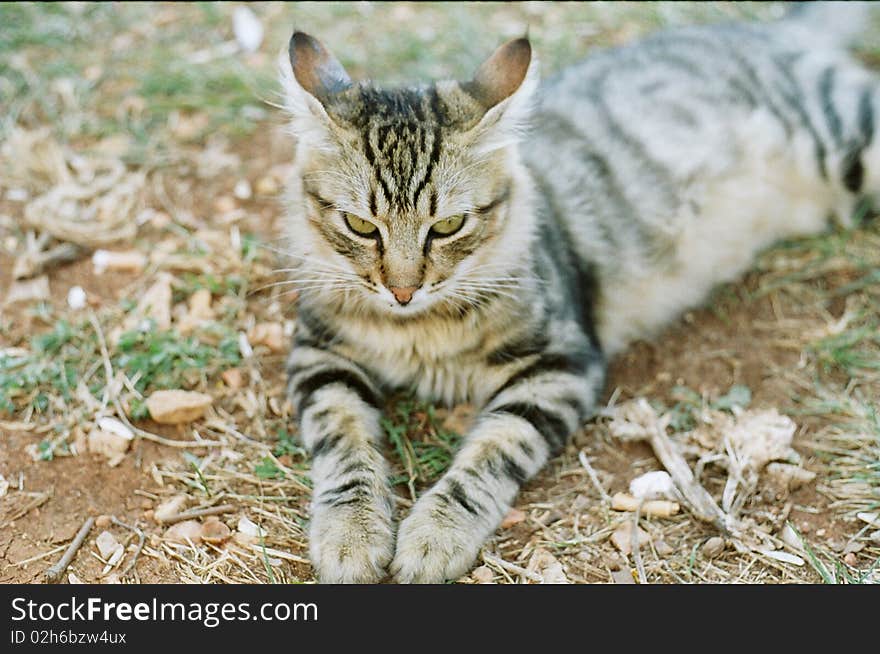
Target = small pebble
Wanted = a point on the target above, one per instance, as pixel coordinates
(850, 559)
(103, 521)
(170, 508)
(853, 547)
(160, 220)
(233, 378)
(267, 186)
(653, 485)
(270, 334)
(242, 190)
(170, 407)
(224, 204)
(181, 532)
(107, 544)
(622, 577)
(76, 297)
(713, 547)
(215, 532)
(663, 548)
(513, 517)
(17, 195)
(247, 28)
(483, 575)
(244, 346)
(249, 528)
(622, 537)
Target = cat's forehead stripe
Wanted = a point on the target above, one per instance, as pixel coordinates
(401, 132)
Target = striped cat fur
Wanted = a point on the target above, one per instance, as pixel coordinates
(495, 240)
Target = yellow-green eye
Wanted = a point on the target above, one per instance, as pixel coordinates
(448, 226)
(359, 225)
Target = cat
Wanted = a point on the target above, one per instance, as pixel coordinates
(496, 240)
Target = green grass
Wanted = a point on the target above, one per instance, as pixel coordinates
(129, 55)
(422, 447)
(833, 571)
(154, 359)
(53, 368)
(689, 401)
(286, 445)
(42, 45)
(165, 359)
(853, 350)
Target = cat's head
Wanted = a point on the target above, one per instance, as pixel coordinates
(407, 199)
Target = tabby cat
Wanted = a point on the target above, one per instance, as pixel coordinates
(495, 240)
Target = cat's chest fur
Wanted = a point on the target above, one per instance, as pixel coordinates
(441, 360)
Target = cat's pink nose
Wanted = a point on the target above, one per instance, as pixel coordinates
(403, 294)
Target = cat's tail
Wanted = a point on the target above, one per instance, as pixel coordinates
(828, 24)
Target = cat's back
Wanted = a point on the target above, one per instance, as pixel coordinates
(661, 109)
(671, 161)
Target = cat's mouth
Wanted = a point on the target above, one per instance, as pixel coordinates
(403, 302)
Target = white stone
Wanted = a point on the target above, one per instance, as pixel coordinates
(107, 544)
(76, 297)
(653, 485)
(247, 28)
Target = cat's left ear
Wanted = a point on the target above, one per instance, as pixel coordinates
(310, 76)
(505, 86)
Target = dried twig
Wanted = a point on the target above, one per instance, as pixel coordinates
(655, 508)
(501, 563)
(637, 546)
(161, 439)
(33, 264)
(199, 513)
(37, 557)
(643, 423)
(105, 357)
(141, 540)
(585, 462)
(39, 500)
(268, 551)
(701, 503)
(53, 574)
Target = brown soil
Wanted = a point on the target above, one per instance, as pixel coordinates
(708, 350)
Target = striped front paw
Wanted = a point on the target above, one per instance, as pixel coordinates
(351, 536)
(438, 541)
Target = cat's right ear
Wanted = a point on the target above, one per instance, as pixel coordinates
(310, 76)
(502, 74)
(504, 85)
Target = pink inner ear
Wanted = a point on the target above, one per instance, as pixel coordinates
(316, 70)
(501, 74)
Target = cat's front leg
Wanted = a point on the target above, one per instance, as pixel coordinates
(351, 532)
(529, 419)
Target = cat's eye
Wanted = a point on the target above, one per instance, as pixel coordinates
(360, 226)
(448, 226)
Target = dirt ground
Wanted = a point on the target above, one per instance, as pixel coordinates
(709, 350)
(765, 332)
